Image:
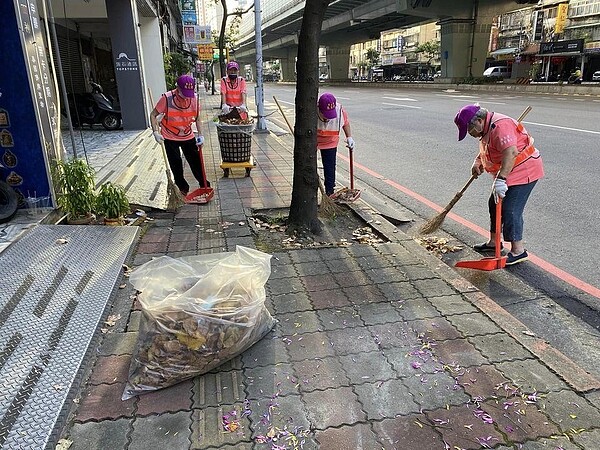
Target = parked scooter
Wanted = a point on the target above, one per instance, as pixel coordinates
(8, 200)
(94, 108)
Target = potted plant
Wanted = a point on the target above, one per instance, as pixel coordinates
(74, 183)
(112, 203)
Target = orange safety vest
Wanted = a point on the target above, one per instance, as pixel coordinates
(233, 92)
(524, 154)
(179, 120)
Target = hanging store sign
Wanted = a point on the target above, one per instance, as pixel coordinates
(189, 17)
(561, 18)
(538, 28)
(205, 52)
(197, 34)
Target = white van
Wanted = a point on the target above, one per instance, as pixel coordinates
(497, 71)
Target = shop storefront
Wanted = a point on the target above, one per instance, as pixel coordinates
(561, 58)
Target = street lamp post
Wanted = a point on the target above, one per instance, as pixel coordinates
(259, 93)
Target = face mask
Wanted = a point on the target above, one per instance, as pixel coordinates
(232, 76)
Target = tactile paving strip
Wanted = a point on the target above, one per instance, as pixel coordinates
(56, 283)
(140, 169)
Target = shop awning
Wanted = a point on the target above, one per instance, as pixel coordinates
(504, 51)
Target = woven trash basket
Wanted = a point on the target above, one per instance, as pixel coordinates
(235, 142)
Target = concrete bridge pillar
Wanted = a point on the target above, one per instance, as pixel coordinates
(288, 65)
(463, 48)
(338, 60)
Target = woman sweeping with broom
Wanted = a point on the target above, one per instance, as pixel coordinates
(506, 151)
(179, 109)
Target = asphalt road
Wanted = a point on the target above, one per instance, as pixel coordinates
(407, 152)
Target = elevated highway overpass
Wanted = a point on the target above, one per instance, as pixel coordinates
(465, 30)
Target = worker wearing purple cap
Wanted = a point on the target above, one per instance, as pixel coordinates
(507, 152)
(179, 109)
(233, 90)
(332, 119)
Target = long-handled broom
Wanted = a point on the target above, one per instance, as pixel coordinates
(434, 223)
(175, 198)
(328, 207)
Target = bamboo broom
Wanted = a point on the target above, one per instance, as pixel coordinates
(328, 206)
(434, 223)
(174, 196)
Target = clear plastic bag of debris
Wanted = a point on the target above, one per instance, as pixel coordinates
(197, 313)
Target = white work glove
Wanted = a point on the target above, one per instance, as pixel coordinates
(226, 109)
(199, 139)
(500, 187)
(350, 143)
(159, 137)
(243, 108)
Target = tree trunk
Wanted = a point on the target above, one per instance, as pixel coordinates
(304, 208)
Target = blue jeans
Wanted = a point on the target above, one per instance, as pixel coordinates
(328, 156)
(513, 205)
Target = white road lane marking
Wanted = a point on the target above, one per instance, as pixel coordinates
(404, 99)
(562, 128)
(402, 106)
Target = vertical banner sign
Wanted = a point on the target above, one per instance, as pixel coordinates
(538, 30)
(28, 107)
(561, 18)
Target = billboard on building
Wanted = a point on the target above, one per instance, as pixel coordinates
(205, 52)
(197, 34)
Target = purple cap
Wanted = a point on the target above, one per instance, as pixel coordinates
(327, 104)
(463, 119)
(233, 65)
(186, 84)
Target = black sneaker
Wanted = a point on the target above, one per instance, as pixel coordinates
(485, 247)
(515, 259)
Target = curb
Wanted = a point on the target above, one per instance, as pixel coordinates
(572, 374)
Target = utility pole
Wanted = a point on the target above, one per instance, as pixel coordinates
(261, 125)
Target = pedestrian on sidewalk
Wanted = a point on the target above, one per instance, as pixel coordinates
(506, 151)
(332, 119)
(233, 91)
(179, 109)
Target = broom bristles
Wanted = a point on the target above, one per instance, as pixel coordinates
(434, 223)
(327, 207)
(174, 197)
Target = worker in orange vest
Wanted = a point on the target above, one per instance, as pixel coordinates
(233, 90)
(507, 152)
(179, 109)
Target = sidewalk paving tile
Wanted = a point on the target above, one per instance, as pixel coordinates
(500, 347)
(110, 369)
(103, 401)
(268, 351)
(379, 313)
(531, 376)
(277, 412)
(334, 298)
(208, 427)
(433, 287)
(309, 346)
(162, 431)
(108, 434)
(386, 399)
(351, 340)
(483, 382)
(334, 318)
(416, 308)
(458, 352)
(333, 408)
(271, 381)
(361, 295)
(589, 440)
(322, 373)
(355, 437)
(367, 367)
(118, 344)
(452, 304)
(435, 390)
(299, 322)
(474, 324)
(408, 432)
(399, 291)
(286, 303)
(172, 399)
(570, 411)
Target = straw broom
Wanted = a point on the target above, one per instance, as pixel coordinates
(328, 206)
(435, 222)
(174, 197)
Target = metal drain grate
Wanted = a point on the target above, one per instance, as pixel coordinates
(52, 298)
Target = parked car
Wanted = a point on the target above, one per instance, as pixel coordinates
(497, 71)
(596, 76)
